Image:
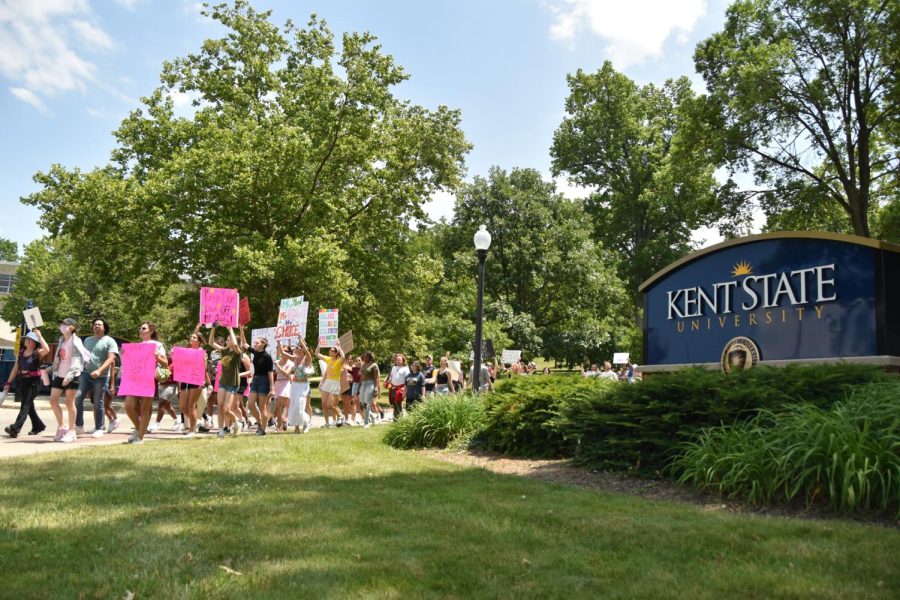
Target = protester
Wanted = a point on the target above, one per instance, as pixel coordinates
(330, 387)
(369, 387)
(608, 372)
(284, 368)
(414, 385)
(68, 363)
(593, 372)
(428, 371)
(167, 392)
(354, 391)
(139, 408)
(94, 378)
(443, 377)
(27, 375)
(298, 413)
(262, 388)
(189, 393)
(346, 392)
(232, 358)
(484, 378)
(396, 384)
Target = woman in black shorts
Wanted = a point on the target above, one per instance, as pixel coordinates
(189, 393)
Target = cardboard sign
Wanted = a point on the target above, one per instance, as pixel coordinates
(33, 317)
(244, 311)
(346, 341)
(620, 358)
(511, 356)
(138, 369)
(189, 365)
(268, 334)
(456, 367)
(487, 350)
(219, 305)
(292, 317)
(328, 327)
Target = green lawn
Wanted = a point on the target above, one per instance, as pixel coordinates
(336, 514)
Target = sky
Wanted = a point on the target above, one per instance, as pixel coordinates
(71, 70)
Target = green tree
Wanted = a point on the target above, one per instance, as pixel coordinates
(9, 250)
(652, 189)
(297, 173)
(803, 93)
(545, 276)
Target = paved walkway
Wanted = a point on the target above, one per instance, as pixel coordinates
(25, 444)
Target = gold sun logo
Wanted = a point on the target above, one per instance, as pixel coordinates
(742, 268)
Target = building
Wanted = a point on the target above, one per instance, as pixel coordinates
(7, 282)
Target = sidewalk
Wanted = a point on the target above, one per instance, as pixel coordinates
(26, 445)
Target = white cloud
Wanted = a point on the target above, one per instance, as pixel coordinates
(28, 97)
(635, 30)
(42, 44)
(571, 191)
(442, 204)
(129, 4)
(97, 114)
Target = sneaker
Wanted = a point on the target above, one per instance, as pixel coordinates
(137, 441)
(367, 425)
(153, 426)
(221, 433)
(70, 437)
(98, 433)
(260, 431)
(113, 425)
(190, 435)
(203, 429)
(177, 426)
(359, 421)
(132, 436)
(236, 429)
(307, 426)
(79, 430)
(271, 422)
(59, 434)
(11, 432)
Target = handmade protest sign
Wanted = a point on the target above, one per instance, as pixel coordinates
(219, 305)
(33, 317)
(268, 334)
(328, 327)
(487, 350)
(620, 358)
(189, 365)
(244, 311)
(138, 369)
(346, 341)
(292, 317)
(511, 356)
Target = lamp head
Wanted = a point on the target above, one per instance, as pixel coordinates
(482, 238)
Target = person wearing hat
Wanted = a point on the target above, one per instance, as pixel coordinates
(67, 366)
(27, 374)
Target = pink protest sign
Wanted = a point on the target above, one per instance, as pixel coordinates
(138, 369)
(244, 311)
(189, 365)
(219, 305)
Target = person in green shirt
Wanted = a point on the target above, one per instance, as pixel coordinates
(94, 379)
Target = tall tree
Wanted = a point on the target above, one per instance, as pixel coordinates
(804, 93)
(297, 173)
(652, 189)
(546, 277)
(9, 250)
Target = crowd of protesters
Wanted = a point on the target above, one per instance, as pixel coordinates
(242, 380)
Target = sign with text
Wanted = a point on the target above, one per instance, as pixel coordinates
(244, 311)
(138, 370)
(268, 334)
(292, 317)
(787, 296)
(511, 356)
(346, 341)
(189, 365)
(487, 350)
(219, 305)
(328, 327)
(620, 358)
(33, 317)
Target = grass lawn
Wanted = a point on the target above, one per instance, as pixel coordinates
(336, 514)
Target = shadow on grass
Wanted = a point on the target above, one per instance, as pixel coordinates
(287, 522)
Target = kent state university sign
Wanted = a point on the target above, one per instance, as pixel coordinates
(776, 298)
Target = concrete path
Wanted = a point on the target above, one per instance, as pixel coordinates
(25, 444)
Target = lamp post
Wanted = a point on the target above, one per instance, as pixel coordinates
(482, 243)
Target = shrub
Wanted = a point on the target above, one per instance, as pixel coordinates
(848, 454)
(437, 421)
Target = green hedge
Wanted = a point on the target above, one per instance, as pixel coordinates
(436, 422)
(847, 455)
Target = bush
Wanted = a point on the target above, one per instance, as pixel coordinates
(436, 422)
(847, 455)
(639, 427)
(521, 415)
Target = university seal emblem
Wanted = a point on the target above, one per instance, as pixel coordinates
(740, 353)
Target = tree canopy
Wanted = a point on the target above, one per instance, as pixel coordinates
(9, 250)
(804, 94)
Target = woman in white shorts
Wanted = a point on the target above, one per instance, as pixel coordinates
(284, 369)
(331, 380)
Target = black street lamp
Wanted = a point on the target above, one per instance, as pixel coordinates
(482, 243)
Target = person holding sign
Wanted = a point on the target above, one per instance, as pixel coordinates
(299, 411)
(331, 379)
(139, 396)
(67, 366)
(233, 358)
(189, 393)
(27, 374)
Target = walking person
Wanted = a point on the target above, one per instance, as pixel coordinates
(262, 386)
(284, 369)
(396, 384)
(429, 370)
(415, 385)
(331, 379)
(94, 379)
(27, 375)
(68, 363)
(189, 393)
(443, 377)
(369, 387)
(299, 410)
(167, 393)
(232, 359)
(139, 408)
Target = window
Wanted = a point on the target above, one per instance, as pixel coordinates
(6, 283)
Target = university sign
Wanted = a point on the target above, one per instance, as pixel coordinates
(776, 298)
